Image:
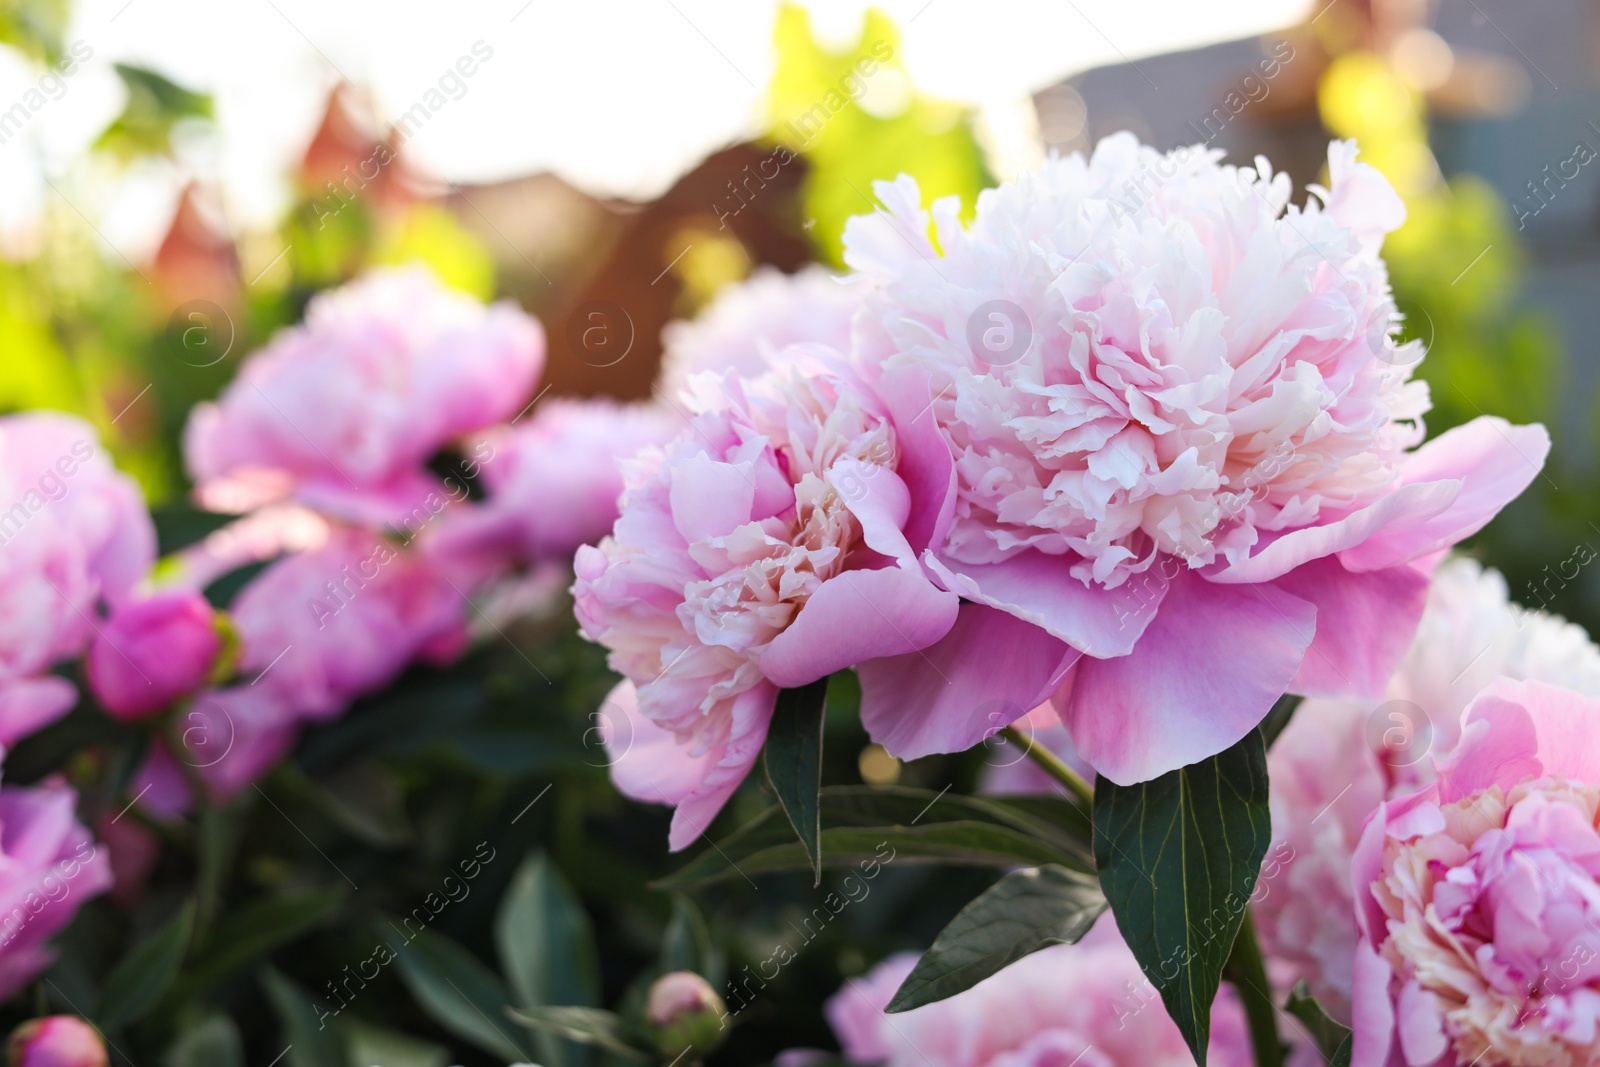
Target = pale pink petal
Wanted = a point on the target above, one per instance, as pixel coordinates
(1515, 730)
(1039, 589)
(28, 705)
(988, 671)
(646, 762)
(1373, 1009)
(855, 616)
(752, 711)
(1365, 623)
(1494, 460)
(1207, 670)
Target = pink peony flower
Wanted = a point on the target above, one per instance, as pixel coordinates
(1337, 760)
(325, 626)
(552, 485)
(318, 630)
(772, 545)
(1477, 896)
(152, 652)
(49, 865)
(748, 324)
(1175, 449)
(56, 1041)
(343, 412)
(73, 533)
(1086, 1004)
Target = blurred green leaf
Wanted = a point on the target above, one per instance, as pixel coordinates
(311, 1041)
(590, 1026)
(138, 983)
(1333, 1038)
(253, 930)
(155, 105)
(461, 994)
(371, 1045)
(35, 26)
(547, 948)
(213, 1042)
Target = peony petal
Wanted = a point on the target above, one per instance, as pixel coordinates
(1406, 506)
(880, 501)
(856, 616)
(1515, 730)
(1372, 1010)
(1419, 1024)
(30, 704)
(988, 671)
(710, 499)
(752, 712)
(646, 762)
(925, 463)
(1365, 623)
(1038, 588)
(1207, 670)
(1494, 460)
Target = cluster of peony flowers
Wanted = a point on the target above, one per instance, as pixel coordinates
(1086, 1004)
(1071, 454)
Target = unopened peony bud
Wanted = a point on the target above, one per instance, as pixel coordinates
(685, 1013)
(152, 652)
(56, 1041)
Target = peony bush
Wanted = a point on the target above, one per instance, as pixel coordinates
(1052, 635)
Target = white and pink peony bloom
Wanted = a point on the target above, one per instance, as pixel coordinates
(772, 544)
(1337, 760)
(1478, 896)
(49, 865)
(1086, 1004)
(748, 324)
(343, 412)
(1176, 449)
(74, 535)
(552, 484)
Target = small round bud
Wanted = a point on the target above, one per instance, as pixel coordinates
(56, 1041)
(685, 1013)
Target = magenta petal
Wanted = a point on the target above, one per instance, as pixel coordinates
(855, 616)
(1037, 588)
(1494, 460)
(1207, 670)
(988, 671)
(1365, 623)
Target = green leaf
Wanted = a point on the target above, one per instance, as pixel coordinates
(139, 981)
(370, 1044)
(214, 1042)
(546, 948)
(912, 825)
(686, 945)
(1023, 912)
(1178, 859)
(155, 105)
(794, 763)
(590, 1026)
(1332, 1038)
(305, 1030)
(460, 994)
(253, 931)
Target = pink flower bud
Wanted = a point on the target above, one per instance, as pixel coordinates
(685, 1013)
(56, 1041)
(153, 652)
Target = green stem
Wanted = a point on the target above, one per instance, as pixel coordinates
(1248, 974)
(1052, 765)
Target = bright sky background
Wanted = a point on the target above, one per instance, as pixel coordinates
(618, 96)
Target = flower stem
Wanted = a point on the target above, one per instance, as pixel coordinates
(1052, 765)
(1248, 974)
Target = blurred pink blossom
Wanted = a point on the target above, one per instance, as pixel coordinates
(151, 652)
(73, 533)
(343, 412)
(56, 1041)
(1086, 1004)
